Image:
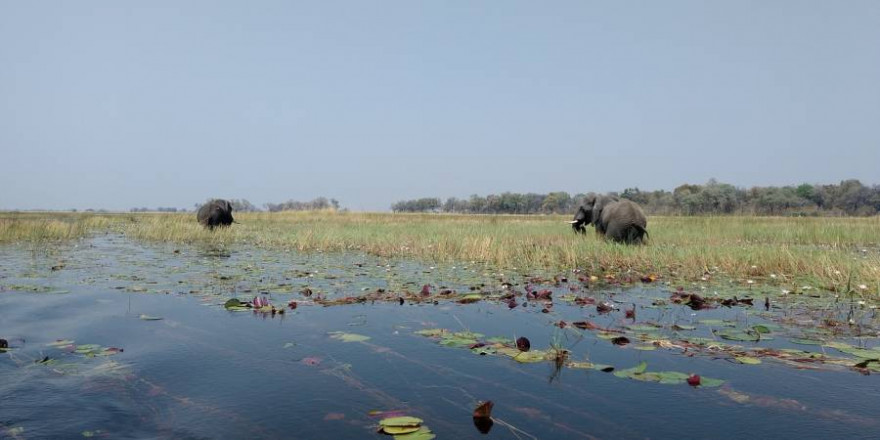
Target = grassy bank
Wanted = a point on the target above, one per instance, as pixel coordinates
(828, 252)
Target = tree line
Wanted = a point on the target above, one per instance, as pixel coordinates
(849, 197)
(243, 205)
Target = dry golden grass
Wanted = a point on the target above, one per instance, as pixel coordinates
(832, 252)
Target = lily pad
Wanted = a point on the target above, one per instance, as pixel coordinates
(738, 335)
(748, 360)
(401, 421)
(61, 343)
(803, 341)
(432, 332)
(150, 318)
(528, 357)
(423, 433)
(629, 372)
(348, 337)
(709, 382)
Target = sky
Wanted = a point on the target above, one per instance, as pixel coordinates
(115, 105)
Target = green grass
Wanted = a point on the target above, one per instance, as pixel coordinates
(828, 252)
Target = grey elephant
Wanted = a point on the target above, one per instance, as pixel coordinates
(615, 219)
(215, 213)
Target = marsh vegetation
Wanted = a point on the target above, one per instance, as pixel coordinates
(828, 253)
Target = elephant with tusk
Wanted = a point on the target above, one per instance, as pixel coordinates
(615, 219)
(215, 213)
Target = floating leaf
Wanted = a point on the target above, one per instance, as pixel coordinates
(150, 318)
(763, 329)
(683, 327)
(484, 350)
(581, 365)
(397, 430)
(348, 337)
(453, 341)
(738, 335)
(629, 372)
(468, 335)
(708, 382)
(432, 332)
(748, 360)
(642, 328)
(672, 377)
(717, 322)
(422, 433)
(232, 302)
(401, 421)
(60, 343)
(803, 341)
(471, 298)
(528, 357)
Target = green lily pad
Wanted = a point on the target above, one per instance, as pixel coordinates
(532, 356)
(453, 341)
(672, 377)
(484, 350)
(348, 337)
(642, 328)
(432, 332)
(709, 382)
(717, 322)
(581, 365)
(61, 343)
(401, 421)
(748, 360)
(629, 372)
(763, 329)
(738, 335)
(423, 433)
(802, 341)
(150, 318)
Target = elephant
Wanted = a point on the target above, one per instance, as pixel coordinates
(215, 213)
(618, 220)
(590, 213)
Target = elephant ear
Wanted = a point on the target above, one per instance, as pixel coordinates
(590, 200)
(228, 206)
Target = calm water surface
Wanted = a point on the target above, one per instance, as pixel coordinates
(203, 372)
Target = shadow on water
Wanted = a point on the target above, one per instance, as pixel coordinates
(132, 341)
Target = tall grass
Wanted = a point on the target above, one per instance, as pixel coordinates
(784, 250)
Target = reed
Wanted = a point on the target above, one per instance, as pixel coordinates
(775, 250)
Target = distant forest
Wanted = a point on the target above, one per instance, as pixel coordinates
(849, 197)
(243, 205)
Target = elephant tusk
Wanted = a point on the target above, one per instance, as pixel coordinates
(573, 222)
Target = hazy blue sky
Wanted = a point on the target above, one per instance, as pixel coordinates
(112, 104)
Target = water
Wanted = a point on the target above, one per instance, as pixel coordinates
(204, 372)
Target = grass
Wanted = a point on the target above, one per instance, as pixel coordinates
(827, 252)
